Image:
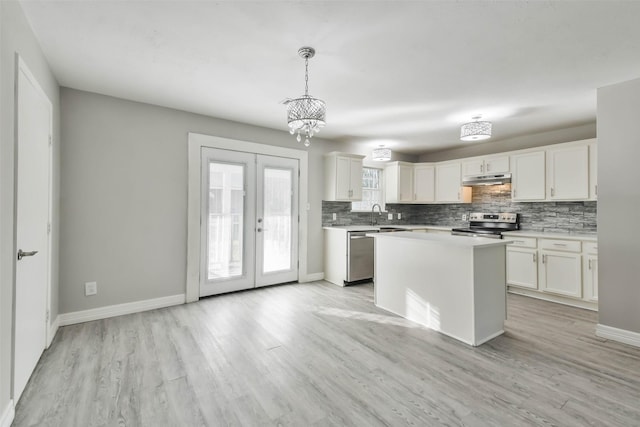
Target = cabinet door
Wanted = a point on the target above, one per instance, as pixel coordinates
(528, 179)
(568, 173)
(561, 273)
(343, 178)
(405, 181)
(591, 277)
(355, 179)
(499, 164)
(593, 171)
(522, 268)
(448, 182)
(424, 184)
(473, 167)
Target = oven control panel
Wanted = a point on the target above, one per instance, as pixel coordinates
(494, 217)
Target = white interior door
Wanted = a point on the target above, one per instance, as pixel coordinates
(277, 220)
(32, 227)
(249, 221)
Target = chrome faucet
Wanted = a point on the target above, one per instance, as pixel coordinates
(372, 211)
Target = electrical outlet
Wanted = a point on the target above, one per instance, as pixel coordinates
(399, 215)
(90, 288)
(335, 216)
(464, 217)
(390, 216)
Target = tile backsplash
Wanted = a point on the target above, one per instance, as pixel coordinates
(577, 217)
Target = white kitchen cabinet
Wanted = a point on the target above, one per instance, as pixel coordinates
(343, 175)
(424, 183)
(568, 173)
(485, 165)
(398, 178)
(448, 184)
(590, 271)
(560, 270)
(522, 267)
(528, 176)
(593, 171)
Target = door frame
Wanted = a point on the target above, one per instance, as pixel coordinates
(21, 67)
(196, 142)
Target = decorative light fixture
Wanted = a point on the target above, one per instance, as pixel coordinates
(381, 154)
(476, 130)
(306, 114)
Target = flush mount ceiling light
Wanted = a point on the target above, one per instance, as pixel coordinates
(476, 130)
(381, 154)
(306, 114)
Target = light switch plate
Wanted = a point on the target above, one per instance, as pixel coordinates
(335, 216)
(90, 288)
(399, 215)
(390, 216)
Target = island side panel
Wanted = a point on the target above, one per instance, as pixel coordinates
(428, 282)
(490, 291)
(335, 256)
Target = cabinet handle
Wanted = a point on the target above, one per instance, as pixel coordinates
(415, 197)
(560, 244)
(544, 259)
(589, 264)
(518, 241)
(553, 193)
(488, 167)
(534, 258)
(458, 195)
(482, 168)
(514, 193)
(596, 189)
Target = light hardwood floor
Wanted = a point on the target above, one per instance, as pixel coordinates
(316, 355)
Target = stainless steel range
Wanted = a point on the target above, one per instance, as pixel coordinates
(489, 225)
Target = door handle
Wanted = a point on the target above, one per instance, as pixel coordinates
(22, 254)
(259, 230)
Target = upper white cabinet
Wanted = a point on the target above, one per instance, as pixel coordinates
(343, 175)
(593, 171)
(399, 182)
(528, 176)
(448, 180)
(424, 183)
(568, 173)
(485, 165)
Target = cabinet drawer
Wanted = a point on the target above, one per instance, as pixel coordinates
(522, 242)
(561, 245)
(591, 247)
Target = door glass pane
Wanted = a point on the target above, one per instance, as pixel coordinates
(225, 220)
(278, 187)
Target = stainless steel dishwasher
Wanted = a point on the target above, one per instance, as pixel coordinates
(360, 256)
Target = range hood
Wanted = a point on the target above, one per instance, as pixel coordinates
(493, 179)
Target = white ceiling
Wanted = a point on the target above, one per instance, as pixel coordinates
(406, 73)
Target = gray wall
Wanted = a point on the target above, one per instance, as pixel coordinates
(17, 37)
(124, 196)
(619, 196)
(576, 133)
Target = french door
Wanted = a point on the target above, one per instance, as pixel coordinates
(249, 221)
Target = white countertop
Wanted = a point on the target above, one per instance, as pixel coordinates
(446, 239)
(548, 235)
(377, 227)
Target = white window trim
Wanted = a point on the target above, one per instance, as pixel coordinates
(382, 204)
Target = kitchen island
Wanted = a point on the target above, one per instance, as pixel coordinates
(453, 284)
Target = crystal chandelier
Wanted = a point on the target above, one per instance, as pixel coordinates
(476, 130)
(305, 115)
(381, 154)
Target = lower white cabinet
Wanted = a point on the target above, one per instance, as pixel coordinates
(561, 273)
(556, 269)
(522, 267)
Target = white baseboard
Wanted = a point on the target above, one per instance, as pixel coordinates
(119, 309)
(7, 415)
(620, 335)
(312, 277)
(53, 329)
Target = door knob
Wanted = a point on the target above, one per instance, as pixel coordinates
(22, 254)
